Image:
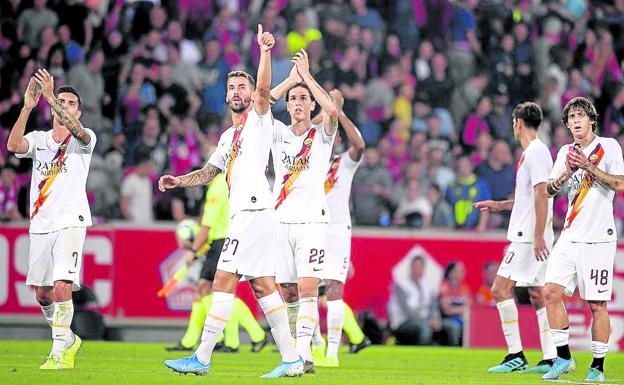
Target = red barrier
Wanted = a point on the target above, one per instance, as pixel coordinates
(126, 267)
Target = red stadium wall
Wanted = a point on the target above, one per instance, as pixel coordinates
(126, 267)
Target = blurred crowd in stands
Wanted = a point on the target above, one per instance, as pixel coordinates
(430, 83)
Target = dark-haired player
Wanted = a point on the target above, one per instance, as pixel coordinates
(59, 210)
(592, 169)
(531, 234)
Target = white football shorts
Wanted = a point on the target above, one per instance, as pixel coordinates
(251, 247)
(520, 265)
(56, 256)
(338, 251)
(588, 266)
(303, 252)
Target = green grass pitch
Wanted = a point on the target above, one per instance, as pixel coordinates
(121, 363)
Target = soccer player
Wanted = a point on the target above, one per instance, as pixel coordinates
(593, 171)
(301, 153)
(250, 247)
(531, 234)
(207, 241)
(59, 210)
(338, 249)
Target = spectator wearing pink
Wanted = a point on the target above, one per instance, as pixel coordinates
(614, 114)
(482, 148)
(9, 190)
(605, 61)
(184, 145)
(477, 122)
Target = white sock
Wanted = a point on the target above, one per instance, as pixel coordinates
(508, 312)
(217, 317)
(275, 312)
(48, 313)
(317, 337)
(335, 317)
(560, 337)
(549, 350)
(599, 349)
(62, 336)
(306, 322)
(293, 312)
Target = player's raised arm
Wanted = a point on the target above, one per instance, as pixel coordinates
(266, 41)
(357, 144)
(577, 158)
(196, 178)
(291, 80)
(46, 82)
(330, 120)
(16, 142)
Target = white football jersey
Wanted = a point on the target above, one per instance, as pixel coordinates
(590, 204)
(243, 154)
(300, 170)
(533, 168)
(58, 184)
(338, 187)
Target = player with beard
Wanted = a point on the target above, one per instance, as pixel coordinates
(249, 249)
(59, 213)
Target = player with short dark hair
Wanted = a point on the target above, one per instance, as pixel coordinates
(592, 170)
(59, 212)
(250, 247)
(531, 234)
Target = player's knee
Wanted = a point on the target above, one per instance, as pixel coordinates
(335, 290)
(289, 292)
(62, 290)
(499, 292)
(552, 294)
(308, 288)
(597, 307)
(44, 296)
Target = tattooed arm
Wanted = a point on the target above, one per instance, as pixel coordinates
(553, 186)
(614, 182)
(195, 178)
(71, 122)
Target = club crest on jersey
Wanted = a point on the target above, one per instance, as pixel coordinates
(593, 158)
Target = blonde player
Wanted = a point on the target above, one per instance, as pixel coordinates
(250, 248)
(59, 211)
(593, 171)
(531, 234)
(338, 251)
(301, 152)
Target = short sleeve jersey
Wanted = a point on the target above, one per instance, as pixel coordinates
(590, 204)
(533, 168)
(338, 187)
(58, 184)
(300, 171)
(243, 154)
